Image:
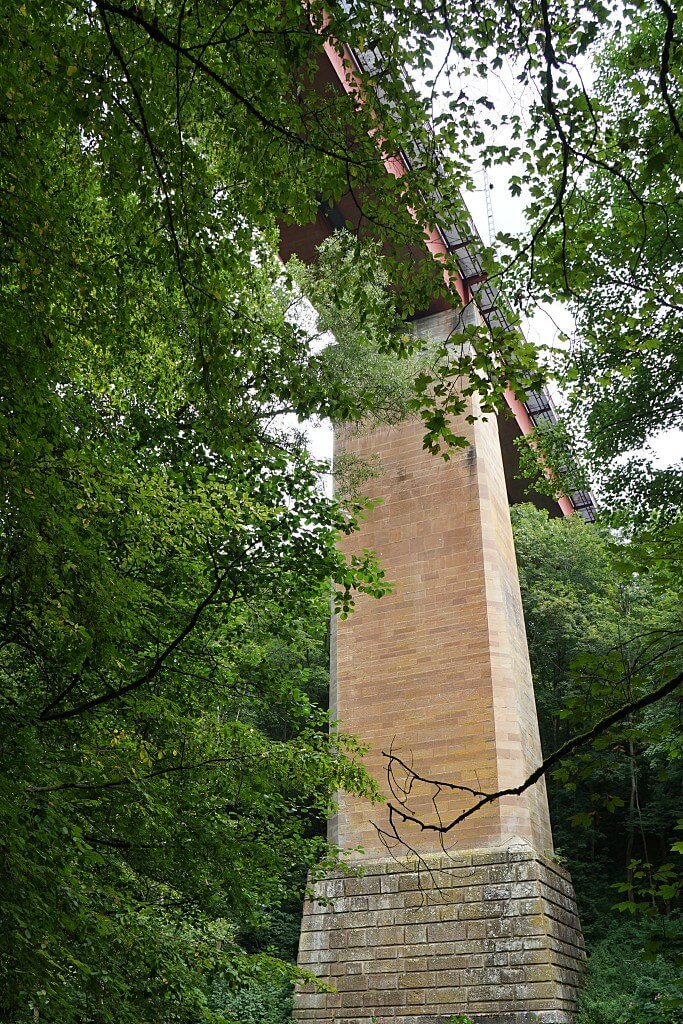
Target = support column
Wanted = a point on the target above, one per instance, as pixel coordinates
(439, 672)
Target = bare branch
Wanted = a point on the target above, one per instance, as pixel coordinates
(401, 815)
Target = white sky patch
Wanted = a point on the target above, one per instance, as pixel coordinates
(318, 432)
(666, 447)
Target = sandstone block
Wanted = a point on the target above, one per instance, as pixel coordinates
(361, 886)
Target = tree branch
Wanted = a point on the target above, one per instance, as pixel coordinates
(152, 29)
(155, 668)
(664, 68)
(558, 755)
(135, 781)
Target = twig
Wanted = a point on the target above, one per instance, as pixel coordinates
(558, 755)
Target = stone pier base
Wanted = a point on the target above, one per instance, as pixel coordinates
(492, 934)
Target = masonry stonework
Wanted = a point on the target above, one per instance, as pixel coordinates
(438, 672)
(492, 933)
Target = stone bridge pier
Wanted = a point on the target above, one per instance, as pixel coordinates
(481, 921)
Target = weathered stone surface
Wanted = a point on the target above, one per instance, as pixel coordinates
(519, 962)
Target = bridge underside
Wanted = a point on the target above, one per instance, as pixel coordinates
(303, 241)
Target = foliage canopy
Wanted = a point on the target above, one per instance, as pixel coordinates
(165, 546)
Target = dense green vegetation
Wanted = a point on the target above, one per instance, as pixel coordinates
(604, 610)
(166, 546)
(598, 636)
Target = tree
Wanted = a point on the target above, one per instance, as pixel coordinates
(594, 629)
(161, 757)
(592, 141)
(162, 528)
(598, 636)
(166, 547)
(617, 263)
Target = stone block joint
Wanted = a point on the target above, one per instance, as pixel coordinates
(486, 940)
